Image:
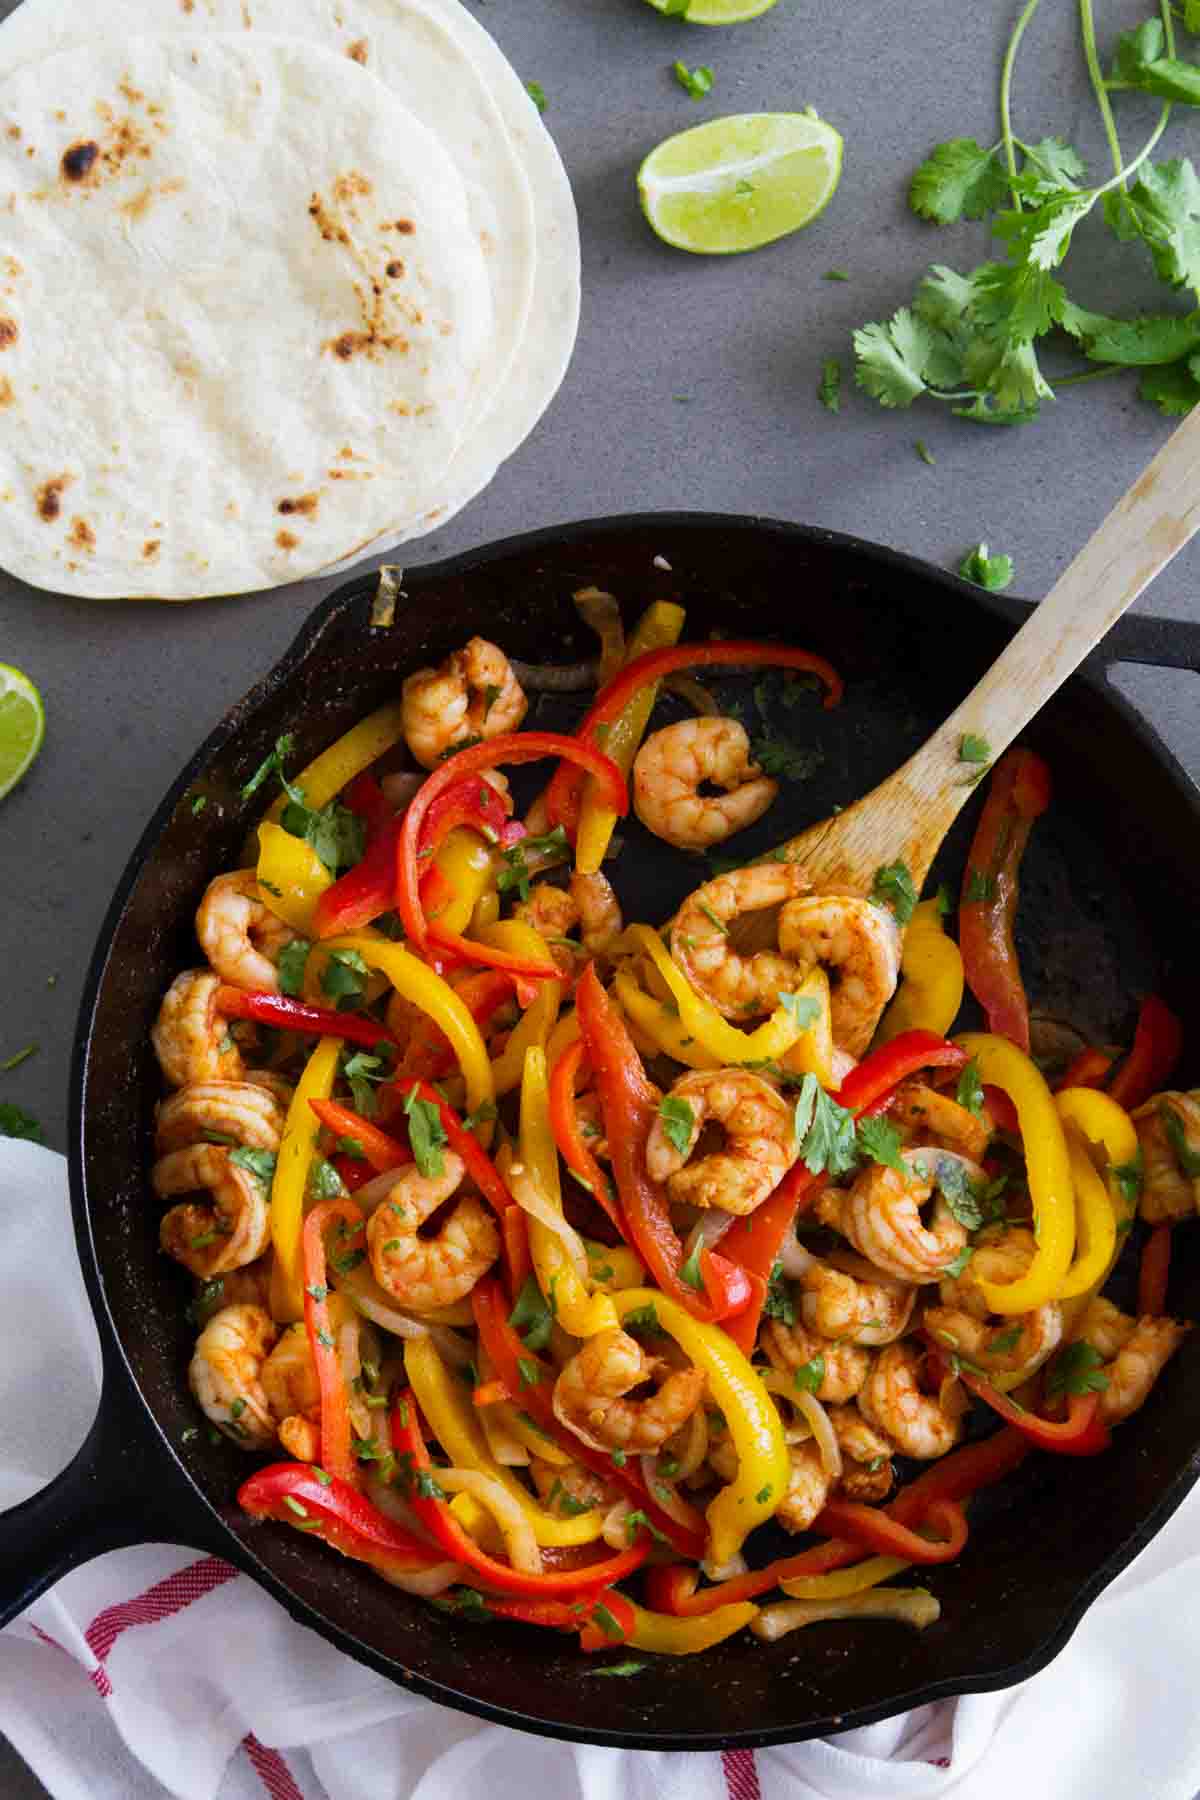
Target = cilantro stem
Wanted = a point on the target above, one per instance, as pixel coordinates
(1006, 78)
(1058, 381)
(1087, 26)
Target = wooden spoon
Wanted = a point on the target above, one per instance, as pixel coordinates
(906, 817)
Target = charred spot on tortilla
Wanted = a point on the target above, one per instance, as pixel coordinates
(302, 503)
(405, 227)
(9, 333)
(79, 159)
(350, 187)
(395, 269)
(7, 393)
(14, 132)
(81, 534)
(357, 52)
(330, 229)
(49, 496)
(287, 540)
(151, 548)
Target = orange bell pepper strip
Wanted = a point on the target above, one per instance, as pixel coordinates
(572, 1146)
(1089, 1069)
(336, 1457)
(381, 1151)
(1019, 793)
(1157, 1044)
(870, 1526)
(294, 1494)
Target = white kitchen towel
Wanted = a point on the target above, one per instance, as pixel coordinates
(154, 1671)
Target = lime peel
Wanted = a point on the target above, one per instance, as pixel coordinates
(739, 182)
(22, 726)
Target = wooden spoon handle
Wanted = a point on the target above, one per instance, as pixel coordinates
(1154, 520)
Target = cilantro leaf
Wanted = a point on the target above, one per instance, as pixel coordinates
(696, 83)
(1164, 205)
(532, 1316)
(639, 1521)
(893, 887)
(879, 1139)
(270, 765)
(324, 1182)
(15, 1122)
(679, 1122)
(551, 847)
(1140, 62)
(1128, 1177)
(809, 1376)
(801, 1009)
(1173, 389)
(980, 888)
(426, 1133)
(829, 390)
(986, 571)
(336, 834)
(1077, 1370)
(293, 960)
(824, 1130)
(642, 1318)
(925, 453)
(954, 1269)
(894, 361)
(259, 1163)
(537, 94)
(780, 1303)
(1187, 1158)
(969, 1092)
(344, 979)
(630, 1666)
(776, 756)
(958, 180)
(1134, 343)
(974, 749)
(950, 1178)
(690, 1271)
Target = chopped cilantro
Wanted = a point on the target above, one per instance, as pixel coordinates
(1187, 1158)
(428, 1487)
(924, 452)
(974, 749)
(893, 887)
(1128, 1177)
(678, 1121)
(20, 1056)
(763, 1495)
(696, 83)
(361, 1071)
(351, 1147)
(537, 94)
(324, 1182)
(344, 979)
(878, 1139)
(629, 1667)
(780, 1303)
(529, 1370)
(809, 1376)
(690, 1271)
(552, 846)
(1077, 1370)
(954, 1269)
(980, 888)
(426, 1133)
(801, 1009)
(532, 1316)
(640, 1521)
(15, 1122)
(259, 1163)
(824, 1130)
(642, 1318)
(284, 747)
(293, 960)
(710, 915)
(969, 1092)
(951, 1180)
(829, 388)
(991, 572)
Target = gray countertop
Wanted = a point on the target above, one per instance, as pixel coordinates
(693, 386)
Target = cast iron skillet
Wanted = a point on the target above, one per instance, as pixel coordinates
(1111, 881)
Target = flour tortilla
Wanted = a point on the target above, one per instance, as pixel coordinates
(447, 70)
(243, 310)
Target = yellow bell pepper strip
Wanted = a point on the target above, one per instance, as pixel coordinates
(539, 1018)
(292, 877)
(529, 1434)
(702, 1021)
(663, 1635)
(1048, 1167)
(290, 1184)
(418, 983)
(660, 1024)
(577, 1311)
(564, 1034)
(479, 1522)
(931, 988)
(754, 1424)
(659, 627)
(487, 911)
(1102, 1122)
(347, 757)
(614, 1266)
(839, 1584)
(447, 1407)
(812, 1053)
(468, 865)
(1096, 1224)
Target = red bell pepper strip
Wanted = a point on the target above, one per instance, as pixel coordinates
(335, 1412)
(512, 747)
(1154, 1272)
(428, 1055)
(464, 1143)
(363, 892)
(1157, 1044)
(597, 1632)
(961, 1474)
(443, 1526)
(284, 1014)
(1001, 1110)
(381, 1151)
(630, 1106)
(755, 1246)
(1082, 1433)
(338, 1514)
(472, 802)
(512, 1363)
(365, 797)
(564, 1615)
(1089, 1069)
(572, 1145)
(874, 1529)
(487, 955)
(1019, 792)
(518, 1262)
(352, 1172)
(564, 795)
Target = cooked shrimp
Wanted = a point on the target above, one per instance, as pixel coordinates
(1169, 1190)
(881, 1215)
(672, 766)
(234, 1229)
(225, 1374)
(289, 1381)
(807, 1489)
(221, 1112)
(473, 694)
(918, 1424)
(760, 1141)
(1104, 1326)
(1138, 1364)
(860, 944)
(577, 1482)
(241, 937)
(553, 913)
(1002, 1346)
(867, 1472)
(191, 1039)
(936, 1118)
(843, 1367)
(849, 1299)
(702, 945)
(589, 1395)
(248, 1286)
(600, 920)
(428, 1272)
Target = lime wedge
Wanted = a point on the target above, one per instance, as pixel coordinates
(713, 12)
(736, 183)
(22, 726)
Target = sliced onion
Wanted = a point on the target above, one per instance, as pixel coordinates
(601, 612)
(794, 1259)
(556, 678)
(694, 693)
(694, 1447)
(822, 1430)
(737, 1565)
(784, 1388)
(615, 1529)
(399, 787)
(665, 1495)
(376, 1304)
(506, 1448)
(514, 1522)
(373, 1193)
(708, 1230)
(530, 1198)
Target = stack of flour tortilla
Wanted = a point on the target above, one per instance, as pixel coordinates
(282, 283)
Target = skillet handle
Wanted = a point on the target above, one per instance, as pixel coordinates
(1135, 638)
(115, 1493)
